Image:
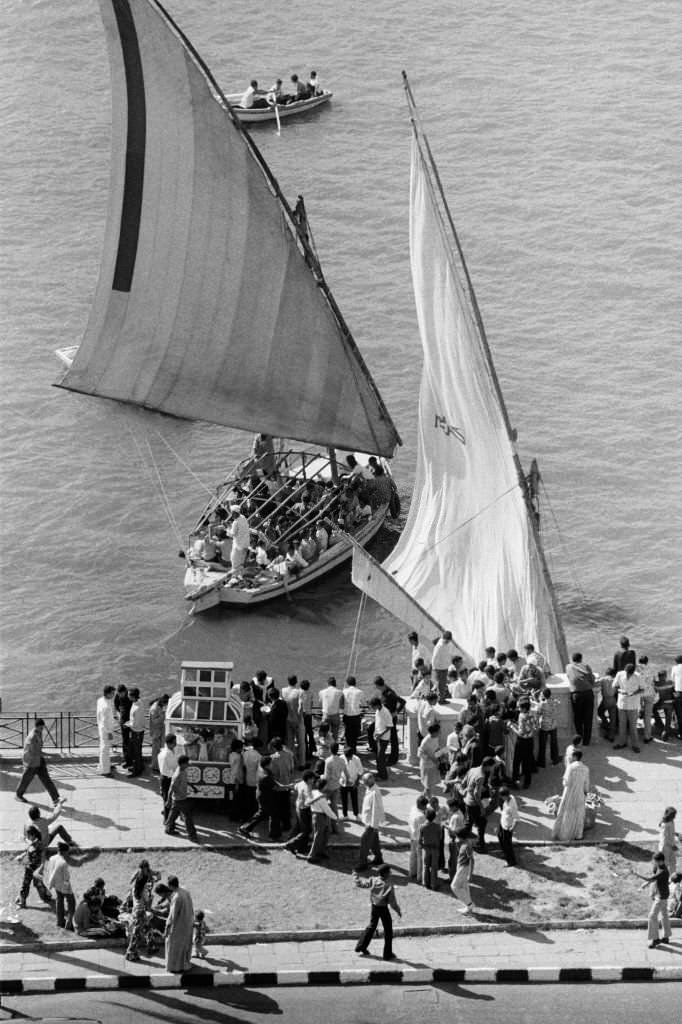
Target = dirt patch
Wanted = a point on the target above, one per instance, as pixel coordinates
(262, 890)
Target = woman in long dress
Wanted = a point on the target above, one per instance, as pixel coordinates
(570, 821)
(179, 929)
(429, 753)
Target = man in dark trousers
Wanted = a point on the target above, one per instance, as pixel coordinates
(395, 705)
(581, 682)
(34, 764)
(122, 705)
(382, 898)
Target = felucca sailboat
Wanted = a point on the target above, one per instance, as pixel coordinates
(470, 558)
(211, 305)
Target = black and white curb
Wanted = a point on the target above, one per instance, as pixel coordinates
(353, 976)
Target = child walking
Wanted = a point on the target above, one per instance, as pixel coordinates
(201, 930)
(32, 859)
(465, 869)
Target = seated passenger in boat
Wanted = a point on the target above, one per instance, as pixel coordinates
(209, 548)
(377, 491)
(294, 560)
(219, 748)
(253, 97)
(261, 553)
(354, 468)
(308, 547)
(321, 537)
(313, 84)
(298, 90)
(275, 96)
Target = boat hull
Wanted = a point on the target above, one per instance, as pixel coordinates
(221, 593)
(255, 115)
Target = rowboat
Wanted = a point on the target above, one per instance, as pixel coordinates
(470, 558)
(181, 324)
(255, 115)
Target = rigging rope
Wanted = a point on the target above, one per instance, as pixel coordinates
(155, 476)
(353, 656)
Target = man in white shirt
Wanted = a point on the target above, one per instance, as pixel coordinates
(372, 817)
(352, 702)
(330, 699)
(105, 728)
(136, 724)
(628, 686)
(253, 97)
(443, 653)
(415, 820)
(168, 762)
(241, 538)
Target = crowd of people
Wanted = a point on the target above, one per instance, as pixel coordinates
(270, 524)
(300, 780)
(254, 96)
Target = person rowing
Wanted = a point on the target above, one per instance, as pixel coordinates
(254, 97)
(275, 95)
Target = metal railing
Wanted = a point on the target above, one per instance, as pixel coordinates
(69, 731)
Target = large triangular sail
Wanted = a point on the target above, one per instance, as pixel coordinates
(210, 303)
(470, 554)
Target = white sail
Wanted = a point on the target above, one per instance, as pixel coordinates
(469, 554)
(210, 302)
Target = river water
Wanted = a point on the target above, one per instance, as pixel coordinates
(557, 132)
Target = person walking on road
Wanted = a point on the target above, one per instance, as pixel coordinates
(659, 889)
(382, 898)
(32, 860)
(460, 885)
(509, 816)
(667, 839)
(105, 728)
(35, 764)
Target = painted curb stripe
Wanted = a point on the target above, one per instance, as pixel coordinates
(639, 973)
(69, 984)
(355, 976)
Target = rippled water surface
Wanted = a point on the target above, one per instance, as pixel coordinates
(557, 132)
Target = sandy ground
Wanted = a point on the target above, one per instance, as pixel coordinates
(262, 890)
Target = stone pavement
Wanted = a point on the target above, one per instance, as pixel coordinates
(498, 957)
(123, 813)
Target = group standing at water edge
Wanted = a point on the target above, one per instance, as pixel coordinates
(275, 95)
(490, 751)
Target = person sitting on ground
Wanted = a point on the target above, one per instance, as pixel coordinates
(88, 919)
(254, 97)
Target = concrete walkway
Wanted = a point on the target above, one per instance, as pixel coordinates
(122, 813)
(498, 957)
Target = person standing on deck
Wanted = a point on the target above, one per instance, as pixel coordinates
(241, 539)
(105, 728)
(122, 705)
(35, 764)
(627, 685)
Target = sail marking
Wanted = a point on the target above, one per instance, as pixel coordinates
(135, 148)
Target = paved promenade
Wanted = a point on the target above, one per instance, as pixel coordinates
(498, 957)
(123, 813)
(120, 813)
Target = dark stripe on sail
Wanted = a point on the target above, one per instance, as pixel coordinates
(131, 210)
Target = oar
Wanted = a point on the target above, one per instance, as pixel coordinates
(279, 126)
